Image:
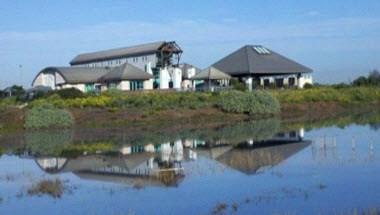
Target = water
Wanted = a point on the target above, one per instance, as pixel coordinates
(249, 168)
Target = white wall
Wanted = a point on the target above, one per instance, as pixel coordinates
(305, 79)
(177, 78)
(123, 85)
(164, 78)
(148, 84)
(80, 87)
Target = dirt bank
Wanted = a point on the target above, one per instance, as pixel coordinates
(12, 119)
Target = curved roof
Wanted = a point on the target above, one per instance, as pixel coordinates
(258, 60)
(78, 75)
(211, 73)
(119, 52)
(82, 75)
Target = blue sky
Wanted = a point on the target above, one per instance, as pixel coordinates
(340, 40)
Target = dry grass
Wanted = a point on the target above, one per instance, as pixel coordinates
(53, 188)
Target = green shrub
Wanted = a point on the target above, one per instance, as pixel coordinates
(329, 94)
(69, 93)
(255, 102)
(308, 86)
(238, 85)
(9, 101)
(47, 116)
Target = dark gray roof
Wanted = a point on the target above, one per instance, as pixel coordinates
(82, 75)
(119, 52)
(126, 72)
(211, 73)
(247, 61)
(79, 75)
(185, 66)
(250, 161)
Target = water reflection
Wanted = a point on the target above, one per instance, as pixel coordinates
(162, 164)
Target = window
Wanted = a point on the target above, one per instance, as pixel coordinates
(89, 88)
(266, 82)
(136, 85)
(112, 85)
(292, 82)
(279, 82)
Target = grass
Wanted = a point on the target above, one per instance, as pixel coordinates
(348, 95)
(53, 188)
(257, 102)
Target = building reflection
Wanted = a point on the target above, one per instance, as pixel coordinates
(326, 149)
(163, 164)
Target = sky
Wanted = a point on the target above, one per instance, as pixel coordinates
(339, 40)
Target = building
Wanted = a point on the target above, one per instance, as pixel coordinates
(188, 72)
(147, 66)
(257, 65)
(160, 59)
(88, 79)
(157, 66)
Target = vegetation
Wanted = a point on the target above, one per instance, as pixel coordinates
(53, 188)
(47, 116)
(256, 102)
(238, 85)
(373, 79)
(346, 95)
(68, 93)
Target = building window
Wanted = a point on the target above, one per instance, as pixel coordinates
(89, 88)
(279, 82)
(112, 85)
(292, 82)
(266, 82)
(136, 85)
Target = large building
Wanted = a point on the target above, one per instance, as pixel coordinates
(259, 66)
(147, 66)
(157, 66)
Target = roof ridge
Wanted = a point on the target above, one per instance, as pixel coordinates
(247, 58)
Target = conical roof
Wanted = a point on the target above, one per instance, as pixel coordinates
(211, 73)
(259, 60)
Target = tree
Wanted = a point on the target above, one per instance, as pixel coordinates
(17, 90)
(374, 77)
(361, 81)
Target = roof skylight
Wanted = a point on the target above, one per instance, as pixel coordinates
(261, 50)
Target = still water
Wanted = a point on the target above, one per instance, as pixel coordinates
(250, 168)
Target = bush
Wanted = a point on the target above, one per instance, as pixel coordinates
(47, 116)
(69, 93)
(238, 85)
(256, 102)
(329, 94)
(9, 101)
(307, 86)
